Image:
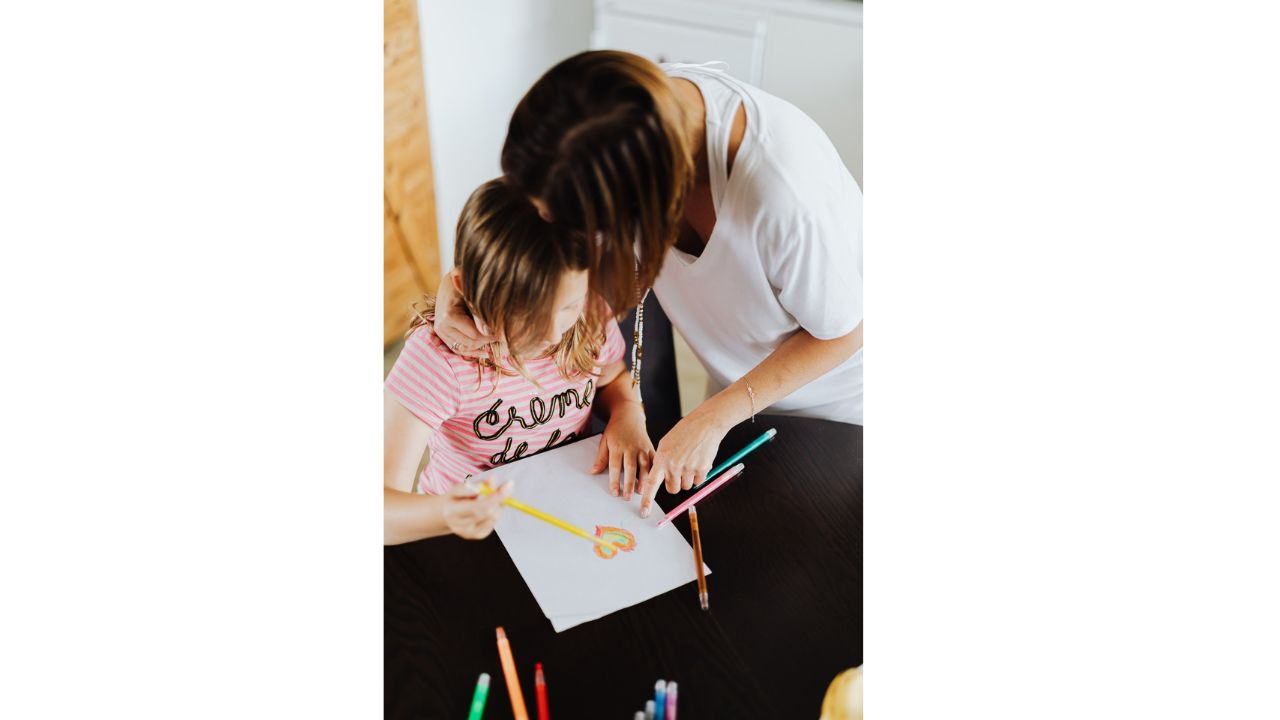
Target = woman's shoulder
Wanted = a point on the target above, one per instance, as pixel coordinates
(795, 179)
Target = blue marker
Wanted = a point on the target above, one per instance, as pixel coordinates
(659, 699)
(768, 435)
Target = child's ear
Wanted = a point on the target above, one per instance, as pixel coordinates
(455, 275)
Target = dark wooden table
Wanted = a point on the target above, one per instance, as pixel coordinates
(784, 542)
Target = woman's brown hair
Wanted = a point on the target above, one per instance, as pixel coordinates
(602, 140)
(511, 262)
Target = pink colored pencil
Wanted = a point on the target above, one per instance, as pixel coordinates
(711, 487)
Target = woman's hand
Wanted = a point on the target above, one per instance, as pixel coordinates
(684, 456)
(625, 449)
(454, 325)
(471, 516)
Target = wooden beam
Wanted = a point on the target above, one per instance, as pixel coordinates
(410, 244)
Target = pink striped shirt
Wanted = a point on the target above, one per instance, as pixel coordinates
(475, 427)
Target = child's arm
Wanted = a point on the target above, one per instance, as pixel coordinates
(625, 448)
(408, 516)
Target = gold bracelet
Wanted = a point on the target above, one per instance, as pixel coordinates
(751, 394)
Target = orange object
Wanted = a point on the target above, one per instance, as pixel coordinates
(621, 540)
(513, 680)
(703, 598)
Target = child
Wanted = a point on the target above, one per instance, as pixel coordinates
(562, 353)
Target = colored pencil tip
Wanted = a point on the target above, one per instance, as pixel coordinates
(502, 635)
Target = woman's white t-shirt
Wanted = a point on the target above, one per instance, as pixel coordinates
(785, 253)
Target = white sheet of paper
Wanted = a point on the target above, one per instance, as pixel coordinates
(571, 583)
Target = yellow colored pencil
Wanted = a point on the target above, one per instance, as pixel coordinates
(484, 489)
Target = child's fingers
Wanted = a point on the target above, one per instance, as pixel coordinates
(488, 516)
(479, 503)
(615, 468)
(489, 506)
(628, 476)
(629, 481)
(478, 531)
(602, 458)
(479, 518)
(462, 491)
(492, 502)
(485, 522)
(476, 482)
(642, 471)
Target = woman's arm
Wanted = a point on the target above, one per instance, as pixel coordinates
(625, 447)
(408, 516)
(685, 455)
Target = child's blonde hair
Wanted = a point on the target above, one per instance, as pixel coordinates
(511, 262)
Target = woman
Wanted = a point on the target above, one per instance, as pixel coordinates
(732, 205)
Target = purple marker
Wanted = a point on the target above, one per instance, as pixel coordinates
(671, 701)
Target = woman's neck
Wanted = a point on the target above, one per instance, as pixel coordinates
(695, 110)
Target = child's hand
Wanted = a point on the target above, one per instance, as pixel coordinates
(473, 516)
(625, 449)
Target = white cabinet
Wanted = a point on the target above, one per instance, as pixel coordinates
(817, 65)
(808, 52)
(666, 42)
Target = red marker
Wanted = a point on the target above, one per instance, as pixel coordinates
(540, 684)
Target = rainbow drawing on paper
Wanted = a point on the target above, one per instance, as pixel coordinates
(623, 540)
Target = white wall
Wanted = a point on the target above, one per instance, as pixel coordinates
(480, 57)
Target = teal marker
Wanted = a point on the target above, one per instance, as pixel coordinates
(768, 435)
(478, 700)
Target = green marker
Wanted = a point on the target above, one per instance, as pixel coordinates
(768, 435)
(478, 700)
